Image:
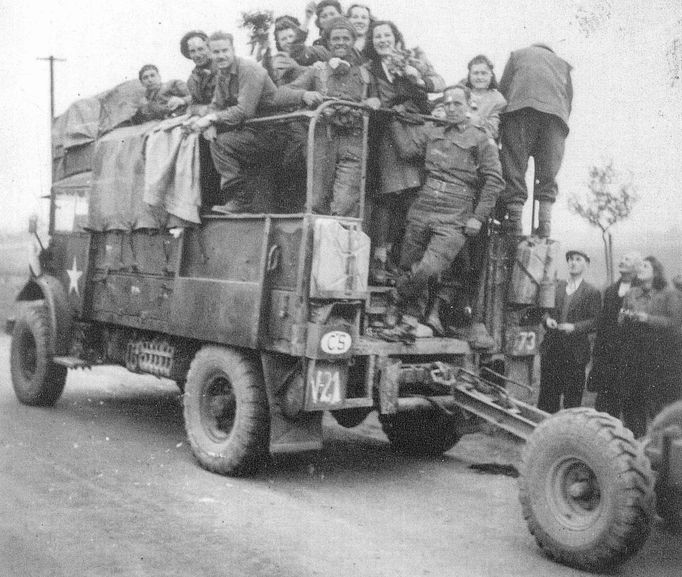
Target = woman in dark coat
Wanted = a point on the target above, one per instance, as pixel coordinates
(404, 79)
(650, 320)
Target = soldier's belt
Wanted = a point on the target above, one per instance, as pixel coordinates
(449, 187)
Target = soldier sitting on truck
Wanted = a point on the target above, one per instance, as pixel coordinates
(339, 152)
(243, 90)
(464, 179)
(202, 80)
(161, 99)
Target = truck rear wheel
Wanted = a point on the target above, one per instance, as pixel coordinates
(226, 411)
(668, 498)
(586, 489)
(429, 432)
(36, 379)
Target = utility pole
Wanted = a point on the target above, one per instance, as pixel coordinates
(51, 59)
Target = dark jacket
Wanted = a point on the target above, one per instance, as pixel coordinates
(608, 344)
(535, 77)
(582, 312)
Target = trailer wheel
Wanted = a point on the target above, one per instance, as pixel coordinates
(226, 411)
(586, 489)
(427, 433)
(37, 381)
(668, 498)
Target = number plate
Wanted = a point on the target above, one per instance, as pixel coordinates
(521, 343)
(326, 385)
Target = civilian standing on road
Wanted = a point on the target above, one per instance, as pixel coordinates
(605, 378)
(565, 350)
(650, 319)
(537, 86)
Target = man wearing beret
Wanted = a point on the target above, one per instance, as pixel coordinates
(201, 82)
(565, 349)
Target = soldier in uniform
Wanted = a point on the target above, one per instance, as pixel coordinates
(243, 90)
(464, 179)
(566, 348)
(161, 99)
(339, 151)
(202, 80)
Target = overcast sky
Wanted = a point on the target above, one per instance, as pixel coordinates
(628, 105)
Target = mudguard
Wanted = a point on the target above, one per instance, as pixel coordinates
(51, 290)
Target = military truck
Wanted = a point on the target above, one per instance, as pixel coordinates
(266, 320)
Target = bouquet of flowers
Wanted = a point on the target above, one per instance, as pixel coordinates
(258, 24)
(400, 59)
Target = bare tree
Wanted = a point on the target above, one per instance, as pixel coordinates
(609, 199)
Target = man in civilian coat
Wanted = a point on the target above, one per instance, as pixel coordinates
(566, 348)
(537, 86)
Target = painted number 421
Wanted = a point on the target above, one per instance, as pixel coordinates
(327, 387)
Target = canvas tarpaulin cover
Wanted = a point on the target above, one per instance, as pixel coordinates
(143, 176)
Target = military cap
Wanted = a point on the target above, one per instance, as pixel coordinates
(184, 48)
(570, 253)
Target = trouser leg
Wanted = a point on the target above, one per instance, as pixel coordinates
(635, 409)
(517, 139)
(347, 176)
(550, 382)
(548, 153)
(325, 151)
(574, 384)
(230, 151)
(444, 244)
(609, 400)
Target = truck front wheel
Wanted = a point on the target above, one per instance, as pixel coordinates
(586, 489)
(36, 379)
(226, 411)
(428, 432)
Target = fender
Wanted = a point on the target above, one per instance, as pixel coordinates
(52, 291)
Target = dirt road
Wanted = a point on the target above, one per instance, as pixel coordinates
(104, 484)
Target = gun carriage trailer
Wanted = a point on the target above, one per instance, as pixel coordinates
(267, 320)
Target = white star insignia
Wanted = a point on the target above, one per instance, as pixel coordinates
(74, 275)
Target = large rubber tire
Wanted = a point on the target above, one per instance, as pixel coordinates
(37, 381)
(668, 499)
(428, 433)
(226, 411)
(586, 489)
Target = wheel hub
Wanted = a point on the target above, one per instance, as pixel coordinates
(219, 408)
(574, 492)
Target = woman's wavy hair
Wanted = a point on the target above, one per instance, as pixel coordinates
(482, 59)
(369, 51)
(659, 282)
(363, 7)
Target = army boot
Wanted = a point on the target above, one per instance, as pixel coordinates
(513, 224)
(544, 229)
(433, 318)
